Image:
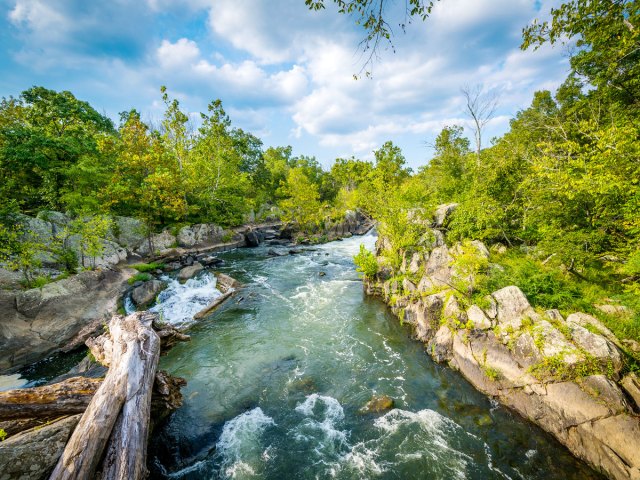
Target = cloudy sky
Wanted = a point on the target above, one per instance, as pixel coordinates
(281, 71)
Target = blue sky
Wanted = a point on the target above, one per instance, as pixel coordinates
(281, 71)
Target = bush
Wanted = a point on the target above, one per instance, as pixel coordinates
(366, 263)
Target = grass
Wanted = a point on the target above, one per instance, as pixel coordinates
(139, 277)
(148, 267)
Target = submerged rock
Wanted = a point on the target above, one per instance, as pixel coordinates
(378, 404)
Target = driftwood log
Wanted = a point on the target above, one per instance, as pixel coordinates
(65, 398)
(117, 418)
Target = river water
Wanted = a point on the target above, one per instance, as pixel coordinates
(277, 378)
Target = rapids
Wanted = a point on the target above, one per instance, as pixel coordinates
(278, 375)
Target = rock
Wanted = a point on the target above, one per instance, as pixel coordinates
(322, 274)
(615, 310)
(274, 253)
(631, 385)
(378, 404)
(199, 235)
(438, 266)
(253, 238)
(159, 242)
(605, 391)
(498, 248)
(588, 321)
(225, 283)
(513, 307)
(10, 279)
(172, 266)
(415, 264)
(37, 322)
(408, 286)
(294, 251)
(478, 317)
(425, 315)
(554, 315)
(32, 454)
(440, 347)
(595, 345)
(146, 293)
(188, 272)
(453, 312)
(128, 232)
(442, 214)
(209, 260)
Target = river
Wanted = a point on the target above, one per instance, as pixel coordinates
(278, 376)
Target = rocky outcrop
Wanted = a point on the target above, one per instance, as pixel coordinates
(560, 374)
(37, 322)
(31, 455)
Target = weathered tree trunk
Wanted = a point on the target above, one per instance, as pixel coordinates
(126, 456)
(65, 398)
(125, 397)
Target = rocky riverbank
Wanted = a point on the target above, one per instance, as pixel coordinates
(61, 315)
(567, 375)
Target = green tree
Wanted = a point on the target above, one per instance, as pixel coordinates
(301, 202)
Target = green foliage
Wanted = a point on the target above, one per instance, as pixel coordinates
(139, 277)
(366, 263)
(491, 372)
(148, 267)
(301, 204)
(3, 435)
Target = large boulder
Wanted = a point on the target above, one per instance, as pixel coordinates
(159, 242)
(513, 307)
(128, 232)
(189, 272)
(146, 293)
(200, 234)
(35, 323)
(31, 455)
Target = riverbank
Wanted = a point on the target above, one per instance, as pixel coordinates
(571, 376)
(62, 314)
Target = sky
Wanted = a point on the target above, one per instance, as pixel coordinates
(283, 72)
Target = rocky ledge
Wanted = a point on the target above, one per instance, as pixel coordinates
(567, 375)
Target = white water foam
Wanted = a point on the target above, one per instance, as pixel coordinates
(179, 302)
(239, 448)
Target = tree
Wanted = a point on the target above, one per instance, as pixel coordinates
(43, 135)
(302, 200)
(480, 107)
(607, 37)
(372, 16)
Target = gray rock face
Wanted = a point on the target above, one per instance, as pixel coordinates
(442, 214)
(200, 234)
(188, 272)
(159, 241)
(513, 307)
(631, 384)
(128, 232)
(478, 317)
(35, 323)
(31, 455)
(147, 292)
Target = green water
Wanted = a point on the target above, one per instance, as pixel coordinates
(276, 380)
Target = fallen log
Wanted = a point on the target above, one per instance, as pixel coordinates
(68, 397)
(213, 305)
(122, 400)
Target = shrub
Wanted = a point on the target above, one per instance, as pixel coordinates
(366, 263)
